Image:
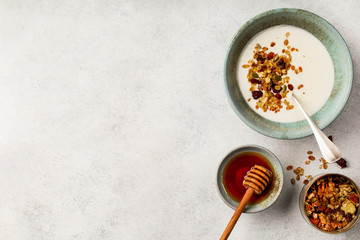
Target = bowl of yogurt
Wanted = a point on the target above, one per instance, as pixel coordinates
(283, 52)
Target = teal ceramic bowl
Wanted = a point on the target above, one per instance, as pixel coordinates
(334, 44)
(277, 184)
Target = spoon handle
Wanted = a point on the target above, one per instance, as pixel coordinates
(249, 192)
(328, 149)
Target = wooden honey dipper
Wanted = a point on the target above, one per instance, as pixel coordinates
(256, 180)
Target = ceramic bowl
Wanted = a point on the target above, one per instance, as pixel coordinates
(302, 202)
(329, 37)
(278, 178)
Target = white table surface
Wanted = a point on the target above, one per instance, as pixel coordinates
(114, 119)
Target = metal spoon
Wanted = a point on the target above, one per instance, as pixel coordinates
(328, 149)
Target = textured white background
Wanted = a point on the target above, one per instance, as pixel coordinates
(114, 120)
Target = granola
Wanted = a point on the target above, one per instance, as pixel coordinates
(268, 77)
(331, 202)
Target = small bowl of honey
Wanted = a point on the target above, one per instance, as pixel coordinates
(235, 166)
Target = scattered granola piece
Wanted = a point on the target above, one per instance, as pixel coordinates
(299, 171)
(290, 167)
(342, 163)
(292, 181)
(307, 162)
(309, 152)
(306, 181)
(297, 177)
(311, 157)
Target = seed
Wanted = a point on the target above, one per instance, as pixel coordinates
(254, 75)
(291, 87)
(272, 44)
(292, 67)
(276, 88)
(284, 89)
(293, 181)
(300, 86)
(289, 167)
(245, 66)
(300, 69)
(311, 157)
(309, 152)
(292, 49)
(296, 71)
(277, 78)
(257, 94)
(286, 42)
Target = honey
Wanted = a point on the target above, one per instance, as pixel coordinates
(235, 171)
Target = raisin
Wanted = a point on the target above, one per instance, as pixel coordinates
(328, 210)
(272, 44)
(348, 217)
(342, 163)
(260, 58)
(255, 81)
(316, 209)
(322, 208)
(278, 96)
(290, 87)
(257, 94)
(270, 55)
(331, 138)
(354, 198)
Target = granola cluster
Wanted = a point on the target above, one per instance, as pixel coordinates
(331, 202)
(268, 77)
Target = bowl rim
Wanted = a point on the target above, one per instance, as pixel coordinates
(226, 159)
(305, 189)
(227, 58)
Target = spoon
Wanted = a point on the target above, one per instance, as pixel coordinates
(328, 149)
(256, 180)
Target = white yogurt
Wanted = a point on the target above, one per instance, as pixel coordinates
(317, 76)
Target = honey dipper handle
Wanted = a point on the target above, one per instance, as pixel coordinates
(249, 192)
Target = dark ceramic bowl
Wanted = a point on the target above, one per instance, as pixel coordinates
(278, 178)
